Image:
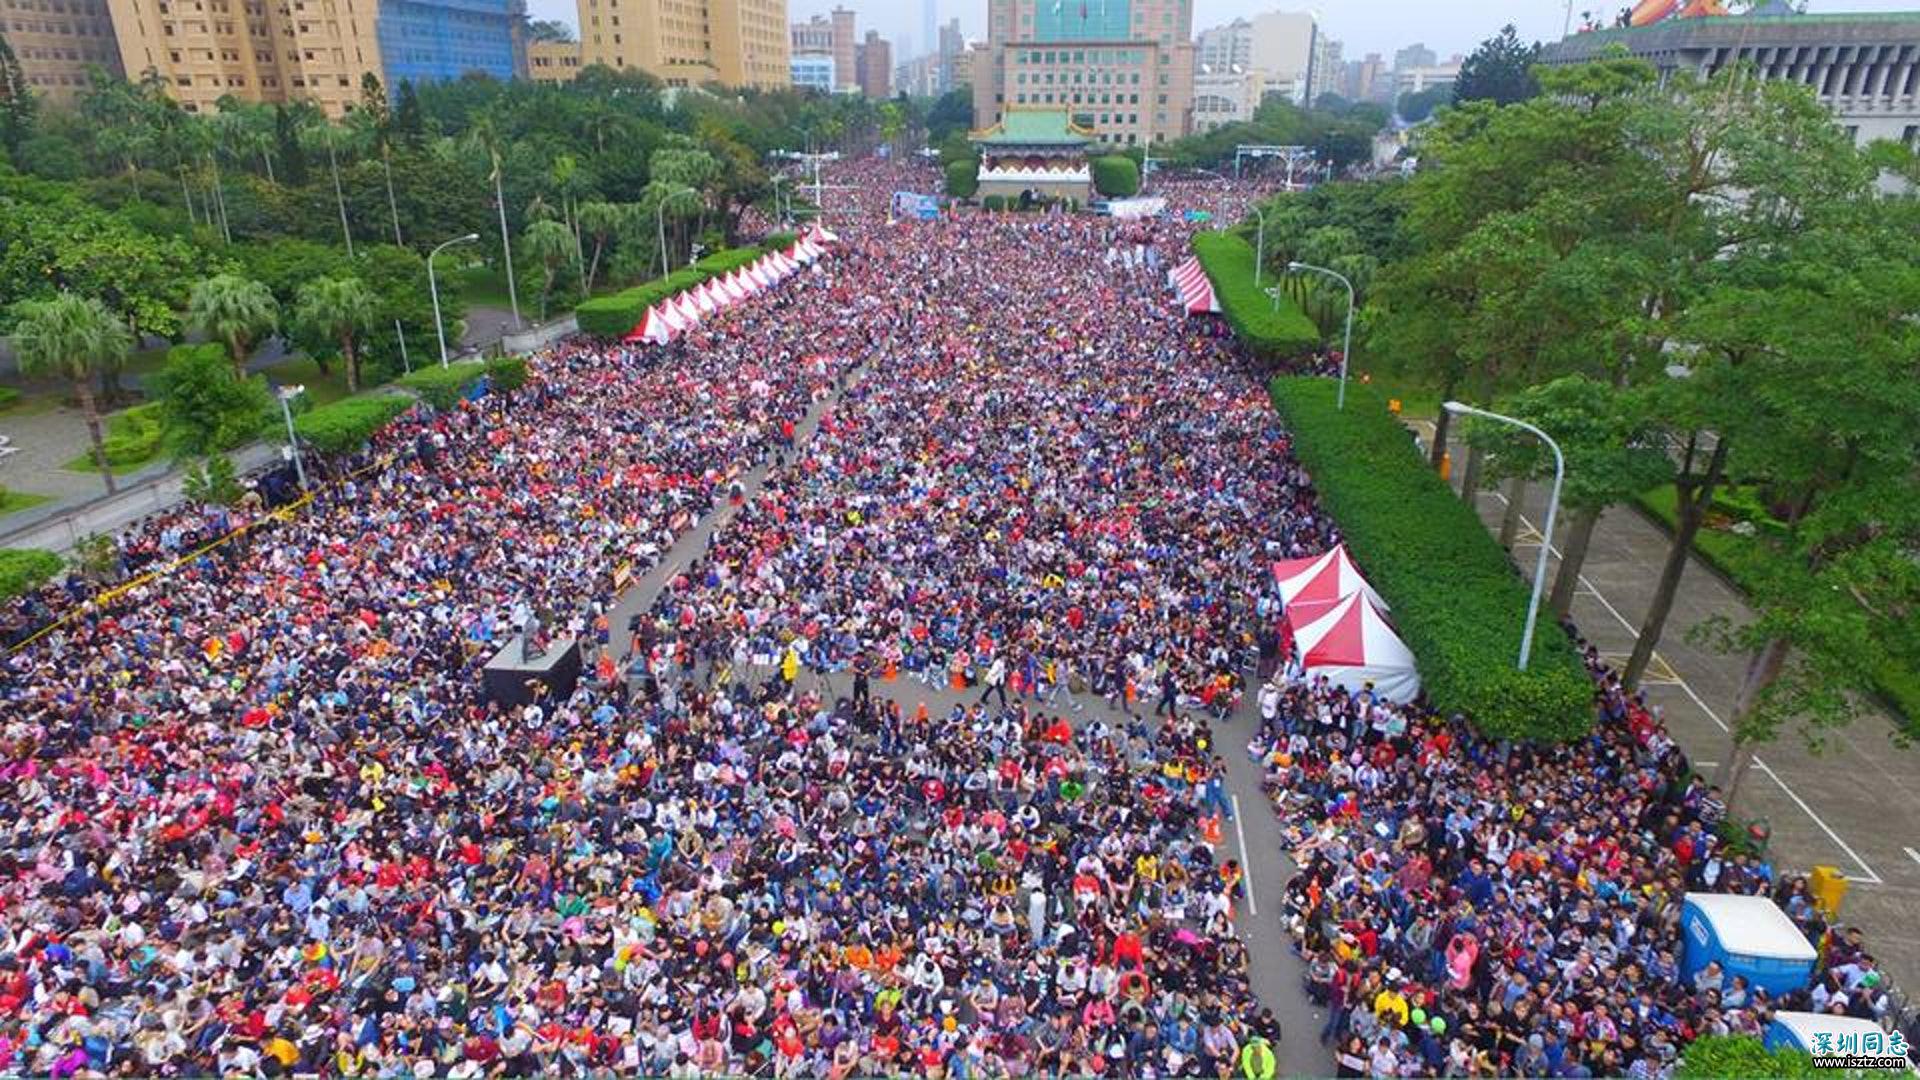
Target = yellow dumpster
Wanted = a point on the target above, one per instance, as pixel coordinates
(1828, 886)
(1446, 466)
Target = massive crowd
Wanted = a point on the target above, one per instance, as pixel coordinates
(908, 767)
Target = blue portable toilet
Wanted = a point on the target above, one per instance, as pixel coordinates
(1796, 1031)
(1749, 936)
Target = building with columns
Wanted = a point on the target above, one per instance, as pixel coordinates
(56, 44)
(1865, 67)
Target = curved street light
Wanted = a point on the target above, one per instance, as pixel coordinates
(1346, 350)
(1553, 507)
(439, 329)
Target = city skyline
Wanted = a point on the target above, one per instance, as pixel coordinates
(1364, 26)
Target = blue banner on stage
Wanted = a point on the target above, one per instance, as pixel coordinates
(915, 205)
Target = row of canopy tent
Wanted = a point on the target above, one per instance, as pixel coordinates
(1340, 627)
(1189, 279)
(679, 313)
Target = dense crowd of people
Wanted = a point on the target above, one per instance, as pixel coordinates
(908, 767)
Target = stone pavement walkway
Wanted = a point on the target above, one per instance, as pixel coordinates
(1276, 972)
(1855, 806)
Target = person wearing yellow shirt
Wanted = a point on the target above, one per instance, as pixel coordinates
(1391, 1005)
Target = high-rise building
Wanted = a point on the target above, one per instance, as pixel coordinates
(1413, 56)
(874, 61)
(1123, 68)
(953, 69)
(813, 71)
(929, 29)
(57, 43)
(256, 50)
(313, 50)
(813, 36)
(437, 40)
(846, 73)
(1367, 79)
(553, 61)
(1328, 67)
(1279, 43)
(690, 42)
(918, 77)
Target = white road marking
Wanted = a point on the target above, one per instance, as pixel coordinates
(1872, 877)
(1246, 864)
(1912, 854)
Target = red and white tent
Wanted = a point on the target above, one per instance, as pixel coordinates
(1196, 292)
(782, 263)
(702, 299)
(821, 234)
(1309, 587)
(689, 311)
(1352, 645)
(742, 282)
(726, 287)
(801, 253)
(653, 328)
(670, 315)
(762, 272)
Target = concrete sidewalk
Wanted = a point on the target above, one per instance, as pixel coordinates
(1855, 806)
(57, 526)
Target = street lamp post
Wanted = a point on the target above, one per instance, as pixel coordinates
(1553, 507)
(286, 394)
(433, 287)
(1260, 250)
(1346, 350)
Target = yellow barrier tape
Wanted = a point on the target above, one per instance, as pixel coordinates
(111, 593)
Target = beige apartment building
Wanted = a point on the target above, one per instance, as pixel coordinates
(553, 61)
(1122, 68)
(258, 50)
(690, 42)
(56, 41)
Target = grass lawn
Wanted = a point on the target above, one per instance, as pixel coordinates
(302, 371)
(85, 464)
(146, 361)
(1742, 558)
(11, 501)
(482, 286)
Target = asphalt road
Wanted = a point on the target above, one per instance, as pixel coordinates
(1255, 838)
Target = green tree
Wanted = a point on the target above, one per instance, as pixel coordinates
(549, 30)
(1612, 454)
(1116, 176)
(551, 243)
(321, 136)
(963, 178)
(17, 102)
(601, 221)
(235, 310)
(206, 405)
(1417, 106)
(1500, 70)
(73, 338)
(339, 308)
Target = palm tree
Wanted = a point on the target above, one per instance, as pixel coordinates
(337, 308)
(236, 310)
(484, 138)
(551, 243)
(73, 337)
(322, 135)
(601, 220)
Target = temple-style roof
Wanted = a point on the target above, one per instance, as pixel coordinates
(1034, 127)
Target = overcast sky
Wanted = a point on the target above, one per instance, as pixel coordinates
(1382, 26)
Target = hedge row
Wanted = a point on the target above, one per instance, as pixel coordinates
(25, 569)
(348, 424)
(443, 387)
(1456, 599)
(616, 316)
(1281, 333)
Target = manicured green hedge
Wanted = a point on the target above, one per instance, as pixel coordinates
(1727, 1057)
(779, 241)
(1279, 334)
(616, 316)
(1116, 176)
(442, 387)
(1456, 599)
(24, 569)
(348, 424)
(507, 373)
(8, 397)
